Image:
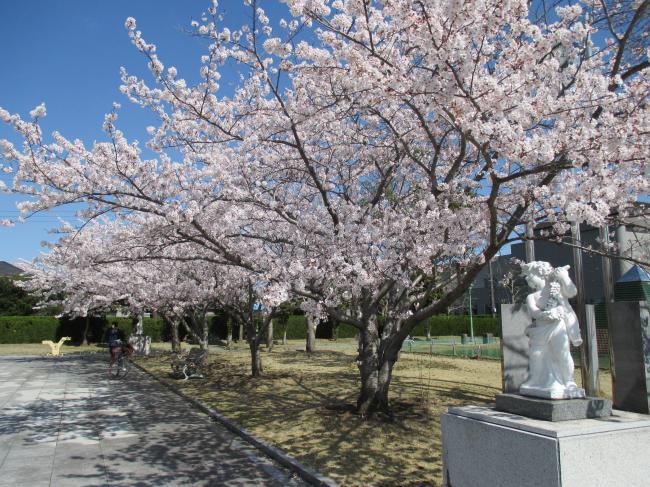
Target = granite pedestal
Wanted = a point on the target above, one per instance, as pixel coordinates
(554, 409)
(484, 447)
(630, 337)
(514, 346)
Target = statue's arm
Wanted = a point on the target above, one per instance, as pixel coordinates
(569, 289)
(531, 302)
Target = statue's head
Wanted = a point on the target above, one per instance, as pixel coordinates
(536, 273)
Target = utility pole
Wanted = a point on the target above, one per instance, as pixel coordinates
(471, 317)
(529, 243)
(493, 308)
(608, 291)
(588, 369)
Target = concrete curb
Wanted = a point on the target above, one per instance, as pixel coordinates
(306, 473)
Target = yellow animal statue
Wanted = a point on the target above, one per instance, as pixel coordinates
(55, 348)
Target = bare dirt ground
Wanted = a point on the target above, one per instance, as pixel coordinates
(304, 405)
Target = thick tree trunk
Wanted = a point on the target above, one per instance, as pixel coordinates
(176, 341)
(201, 338)
(84, 340)
(368, 361)
(311, 336)
(384, 377)
(229, 332)
(269, 336)
(335, 330)
(204, 332)
(376, 361)
(241, 333)
(284, 335)
(254, 345)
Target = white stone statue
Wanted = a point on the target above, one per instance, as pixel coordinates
(554, 324)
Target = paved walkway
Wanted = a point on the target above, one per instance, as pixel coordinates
(64, 423)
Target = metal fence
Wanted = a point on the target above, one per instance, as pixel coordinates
(464, 347)
(459, 347)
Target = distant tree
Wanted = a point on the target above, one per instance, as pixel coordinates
(15, 301)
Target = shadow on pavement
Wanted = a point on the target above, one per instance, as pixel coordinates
(99, 431)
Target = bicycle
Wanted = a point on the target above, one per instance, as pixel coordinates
(118, 368)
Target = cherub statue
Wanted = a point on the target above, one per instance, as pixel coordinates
(554, 325)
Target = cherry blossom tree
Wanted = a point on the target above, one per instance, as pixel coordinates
(374, 157)
(103, 266)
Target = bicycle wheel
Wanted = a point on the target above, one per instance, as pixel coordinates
(114, 369)
(124, 367)
(119, 369)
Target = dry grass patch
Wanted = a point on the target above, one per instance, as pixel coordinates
(305, 406)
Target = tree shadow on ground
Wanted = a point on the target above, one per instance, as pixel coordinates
(122, 432)
(305, 405)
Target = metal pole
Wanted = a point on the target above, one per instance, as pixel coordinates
(471, 319)
(621, 242)
(608, 292)
(590, 316)
(587, 372)
(529, 242)
(493, 309)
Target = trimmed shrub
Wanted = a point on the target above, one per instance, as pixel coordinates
(296, 328)
(346, 331)
(27, 329)
(442, 325)
(34, 329)
(155, 328)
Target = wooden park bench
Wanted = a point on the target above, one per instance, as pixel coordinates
(190, 365)
(55, 348)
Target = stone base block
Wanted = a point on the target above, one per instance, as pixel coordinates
(489, 448)
(552, 409)
(568, 393)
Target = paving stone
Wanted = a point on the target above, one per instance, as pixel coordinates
(64, 421)
(29, 483)
(72, 481)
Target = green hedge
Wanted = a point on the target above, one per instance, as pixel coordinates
(34, 329)
(444, 325)
(27, 329)
(296, 328)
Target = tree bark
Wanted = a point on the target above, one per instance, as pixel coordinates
(335, 329)
(205, 331)
(269, 336)
(368, 361)
(241, 333)
(173, 328)
(311, 336)
(229, 327)
(84, 340)
(176, 341)
(377, 357)
(254, 346)
(201, 338)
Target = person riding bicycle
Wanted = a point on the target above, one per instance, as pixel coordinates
(114, 337)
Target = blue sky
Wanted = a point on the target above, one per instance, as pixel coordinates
(68, 54)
